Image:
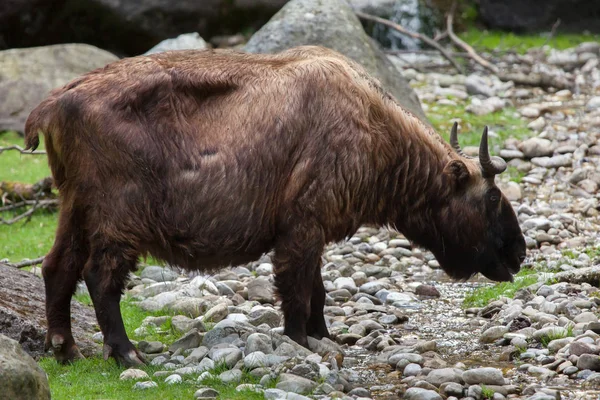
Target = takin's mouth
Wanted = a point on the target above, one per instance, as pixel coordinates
(501, 272)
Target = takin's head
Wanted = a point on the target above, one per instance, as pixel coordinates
(477, 224)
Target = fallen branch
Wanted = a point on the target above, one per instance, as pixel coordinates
(38, 205)
(413, 35)
(460, 43)
(25, 203)
(20, 150)
(25, 263)
(536, 80)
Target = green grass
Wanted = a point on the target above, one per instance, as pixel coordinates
(94, 378)
(21, 167)
(482, 296)
(545, 340)
(505, 124)
(487, 392)
(502, 41)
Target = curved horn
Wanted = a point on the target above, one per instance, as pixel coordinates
(490, 166)
(454, 140)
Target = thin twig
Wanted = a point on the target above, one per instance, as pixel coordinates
(20, 150)
(25, 263)
(459, 42)
(413, 35)
(552, 32)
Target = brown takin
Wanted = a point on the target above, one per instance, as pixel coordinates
(212, 158)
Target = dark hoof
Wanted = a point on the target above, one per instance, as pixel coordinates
(65, 351)
(127, 358)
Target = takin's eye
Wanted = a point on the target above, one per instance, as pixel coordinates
(494, 196)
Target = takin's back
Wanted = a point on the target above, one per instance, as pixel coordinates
(207, 153)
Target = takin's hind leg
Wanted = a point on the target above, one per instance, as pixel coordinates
(61, 270)
(297, 259)
(316, 326)
(105, 275)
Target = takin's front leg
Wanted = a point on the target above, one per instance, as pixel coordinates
(105, 275)
(297, 259)
(61, 270)
(316, 326)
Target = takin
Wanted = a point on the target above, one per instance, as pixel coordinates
(206, 159)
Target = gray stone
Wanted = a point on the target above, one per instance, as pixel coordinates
(229, 355)
(536, 147)
(206, 393)
(580, 348)
(133, 373)
(452, 389)
(412, 370)
(190, 340)
(151, 347)
(185, 41)
(416, 393)
(334, 25)
(256, 359)
(216, 313)
(258, 342)
(563, 160)
(261, 290)
(173, 379)
(145, 385)
(589, 361)
(295, 384)
(486, 376)
(159, 274)
(196, 355)
(492, 334)
(233, 376)
(27, 75)
(22, 377)
(443, 375)
(224, 331)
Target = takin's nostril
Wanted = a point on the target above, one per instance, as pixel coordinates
(521, 257)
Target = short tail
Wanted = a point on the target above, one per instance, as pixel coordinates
(38, 123)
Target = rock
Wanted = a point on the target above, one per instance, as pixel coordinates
(151, 347)
(145, 385)
(443, 375)
(530, 112)
(133, 373)
(537, 125)
(222, 330)
(427, 290)
(23, 318)
(589, 361)
(295, 384)
(255, 359)
(130, 27)
(185, 41)
(159, 274)
(173, 379)
(22, 377)
(550, 331)
(487, 106)
(260, 290)
(492, 334)
(593, 103)
(233, 376)
(512, 190)
(259, 342)
(478, 85)
(519, 16)
(265, 316)
(206, 393)
(563, 160)
(334, 25)
(452, 389)
(190, 340)
(228, 356)
(536, 147)
(416, 393)
(28, 75)
(217, 313)
(486, 376)
(412, 370)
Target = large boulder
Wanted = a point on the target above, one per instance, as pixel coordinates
(332, 24)
(20, 376)
(22, 314)
(533, 15)
(125, 27)
(28, 75)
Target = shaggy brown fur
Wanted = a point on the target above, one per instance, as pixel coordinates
(211, 158)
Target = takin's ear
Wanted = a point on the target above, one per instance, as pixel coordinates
(457, 172)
